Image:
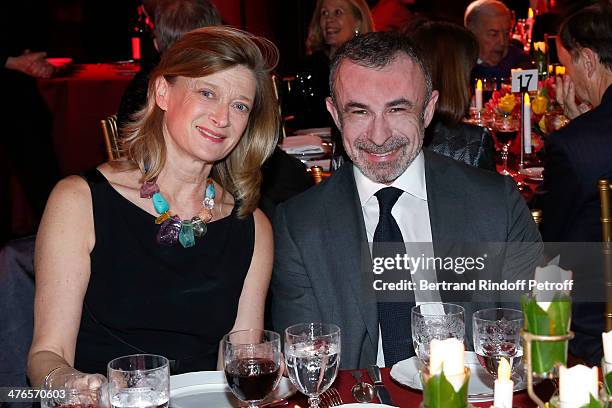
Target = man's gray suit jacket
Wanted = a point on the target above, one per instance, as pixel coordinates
(320, 237)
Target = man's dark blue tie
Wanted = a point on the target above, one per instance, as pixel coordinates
(394, 317)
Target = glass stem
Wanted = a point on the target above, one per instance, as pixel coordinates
(252, 404)
(313, 402)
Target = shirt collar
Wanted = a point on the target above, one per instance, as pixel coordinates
(411, 181)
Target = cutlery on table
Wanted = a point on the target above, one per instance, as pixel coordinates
(330, 398)
(362, 391)
(381, 391)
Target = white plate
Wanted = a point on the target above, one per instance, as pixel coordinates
(533, 172)
(480, 388)
(357, 405)
(209, 389)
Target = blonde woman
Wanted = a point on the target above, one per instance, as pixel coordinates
(333, 23)
(165, 251)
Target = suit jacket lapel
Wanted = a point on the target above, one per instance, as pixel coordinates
(347, 238)
(447, 228)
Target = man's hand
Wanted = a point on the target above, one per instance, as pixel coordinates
(565, 93)
(31, 63)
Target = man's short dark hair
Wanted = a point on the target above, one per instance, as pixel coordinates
(377, 50)
(590, 27)
(173, 18)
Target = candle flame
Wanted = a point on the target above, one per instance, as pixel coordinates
(530, 13)
(527, 100)
(560, 70)
(503, 370)
(479, 84)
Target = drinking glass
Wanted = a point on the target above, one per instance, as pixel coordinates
(435, 321)
(312, 357)
(252, 362)
(505, 129)
(72, 389)
(139, 381)
(497, 334)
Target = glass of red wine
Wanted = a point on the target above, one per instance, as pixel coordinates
(252, 363)
(497, 334)
(505, 130)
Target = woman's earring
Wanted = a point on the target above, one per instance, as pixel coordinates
(356, 31)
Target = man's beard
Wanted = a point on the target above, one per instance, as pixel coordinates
(385, 172)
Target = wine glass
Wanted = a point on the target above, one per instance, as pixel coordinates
(252, 363)
(312, 357)
(139, 381)
(435, 321)
(505, 130)
(497, 334)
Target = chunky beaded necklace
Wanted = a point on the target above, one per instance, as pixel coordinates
(172, 228)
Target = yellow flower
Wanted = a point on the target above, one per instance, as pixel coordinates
(506, 103)
(539, 104)
(542, 124)
(540, 46)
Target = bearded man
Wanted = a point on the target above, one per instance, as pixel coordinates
(393, 191)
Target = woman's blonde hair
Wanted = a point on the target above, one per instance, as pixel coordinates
(199, 53)
(361, 12)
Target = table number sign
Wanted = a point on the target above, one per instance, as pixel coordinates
(524, 80)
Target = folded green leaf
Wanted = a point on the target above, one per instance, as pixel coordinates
(438, 392)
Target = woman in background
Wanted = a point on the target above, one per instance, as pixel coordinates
(451, 52)
(333, 23)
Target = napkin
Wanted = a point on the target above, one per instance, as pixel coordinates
(302, 144)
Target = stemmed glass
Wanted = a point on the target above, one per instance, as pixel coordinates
(506, 130)
(139, 381)
(435, 321)
(312, 357)
(497, 334)
(252, 363)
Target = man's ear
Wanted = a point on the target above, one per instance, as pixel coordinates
(430, 108)
(161, 93)
(589, 60)
(331, 108)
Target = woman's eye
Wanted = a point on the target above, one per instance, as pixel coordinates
(338, 12)
(207, 94)
(241, 107)
(324, 13)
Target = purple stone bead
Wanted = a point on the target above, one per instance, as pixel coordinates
(169, 230)
(148, 188)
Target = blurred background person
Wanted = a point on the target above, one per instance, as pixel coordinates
(112, 282)
(333, 23)
(578, 155)
(491, 22)
(450, 52)
(172, 19)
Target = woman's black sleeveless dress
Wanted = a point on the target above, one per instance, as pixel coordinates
(144, 297)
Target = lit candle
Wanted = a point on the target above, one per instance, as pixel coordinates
(576, 385)
(478, 95)
(559, 70)
(607, 345)
(530, 13)
(447, 355)
(527, 124)
(502, 397)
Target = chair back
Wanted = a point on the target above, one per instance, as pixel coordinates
(537, 216)
(317, 174)
(16, 310)
(111, 135)
(606, 228)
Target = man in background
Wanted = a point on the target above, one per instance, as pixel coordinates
(491, 22)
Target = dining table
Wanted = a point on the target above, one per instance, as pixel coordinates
(405, 397)
(78, 96)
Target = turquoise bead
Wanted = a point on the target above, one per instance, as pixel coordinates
(159, 203)
(210, 191)
(186, 237)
